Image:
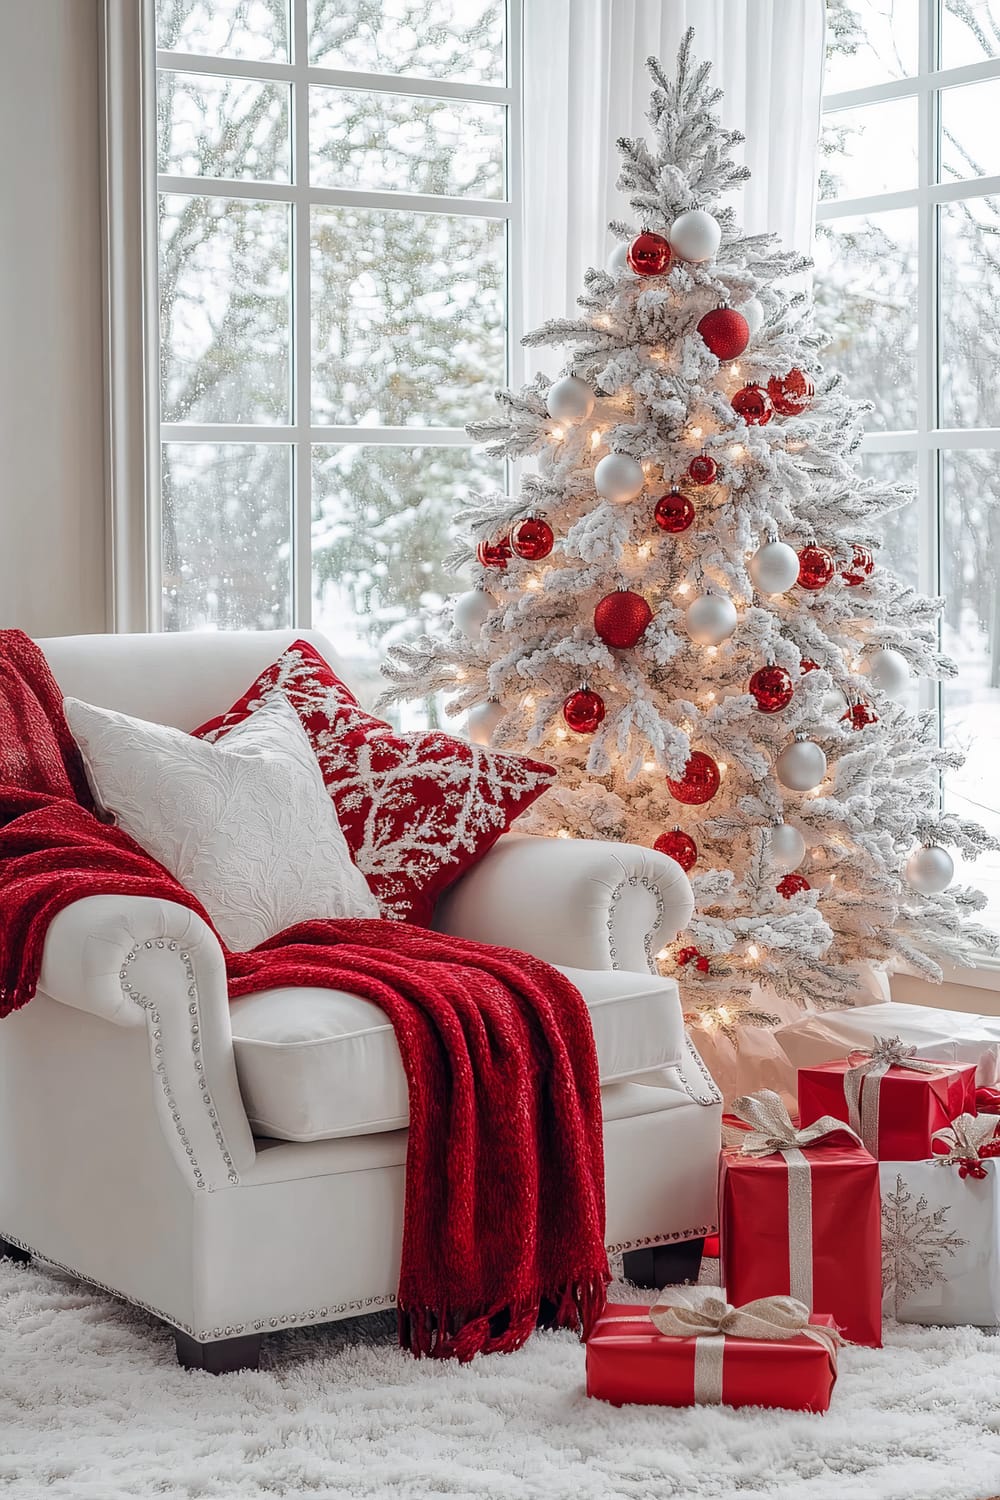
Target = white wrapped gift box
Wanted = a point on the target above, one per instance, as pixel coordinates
(948, 1035)
(940, 1243)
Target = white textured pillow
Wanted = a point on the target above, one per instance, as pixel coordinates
(246, 825)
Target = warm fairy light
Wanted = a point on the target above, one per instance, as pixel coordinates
(712, 652)
(753, 953)
(723, 768)
(724, 1014)
(649, 765)
(683, 588)
(562, 734)
(645, 550)
(563, 833)
(647, 467)
(686, 726)
(709, 697)
(461, 675)
(533, 582)
(658, 354)
(663, 953)
(602, 320)
(696, 433)
(737, 451)
(815, 853)
(528, 701)
(736, 370)
(557, 434)
(856, 664)
(595, 438)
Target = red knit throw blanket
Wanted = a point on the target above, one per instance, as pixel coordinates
(504, 1218)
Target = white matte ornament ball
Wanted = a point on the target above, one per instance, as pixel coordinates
(786, 847)
(471, 612)
(801, 766)
(482, 722)
(774, 568)
(754, 314)
(888, 671)
(695, 235)
(569, 400)
(618, 477)
(710, 619)
(618, 261)
(930, 870)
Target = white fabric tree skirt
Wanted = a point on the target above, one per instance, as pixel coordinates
(93, 1407)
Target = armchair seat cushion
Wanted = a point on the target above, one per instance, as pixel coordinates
(315, 1064)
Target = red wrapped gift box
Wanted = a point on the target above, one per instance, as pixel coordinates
(630, 1361)
(899, 1111)
(816, 1235)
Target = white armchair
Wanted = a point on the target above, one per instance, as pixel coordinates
(237, 1168)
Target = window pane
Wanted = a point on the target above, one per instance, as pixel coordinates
(901, 528)
(970, 31)
(870, 43)
(871, 149)
(408, 317)
(432, 39)
(255, 29)
(222, 127)
(866, 295)
(227, 519)
(382, 520)
(388, 143)
(970, 319)
(224, 310)
(967, 149)
(971, 634)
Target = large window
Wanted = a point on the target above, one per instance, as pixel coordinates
(908, 278)
(337, 191)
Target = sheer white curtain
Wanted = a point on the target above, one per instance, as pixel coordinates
(585, 84)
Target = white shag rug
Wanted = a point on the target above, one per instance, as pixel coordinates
(94, 1407)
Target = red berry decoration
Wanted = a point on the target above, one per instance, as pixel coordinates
(679, 845)
(772, 688)
(532, 539)
(753, 404)
(584, 711)
(860, 715)
(726, 333)
(702, 964)
(674, 512)
(649, 254)
(685, 955)
(621, 618)
(792, 393)
(702, 469)
(494, 554)
(700, 781)
(861, 566)
(816, 567)
(791, 884)
(805, 665)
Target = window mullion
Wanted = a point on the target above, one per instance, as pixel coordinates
(301, 328)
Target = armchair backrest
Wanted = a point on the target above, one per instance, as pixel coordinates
(173, 678)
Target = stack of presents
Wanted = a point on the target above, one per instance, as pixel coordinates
(881, 1197)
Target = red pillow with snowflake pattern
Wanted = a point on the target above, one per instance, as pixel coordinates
(417, 809)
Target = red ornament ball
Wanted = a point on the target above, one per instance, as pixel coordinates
(791, 884)
(674, 512)
(725, 332)
(649, 254)
(702, 469)
(772, 688)
(791, 393)
(753, 404)
(816, 567)
(679, 845)
(860, 567)
(584, 711)
(805, 665)
(702, 964)
(859, 715)
(700, 780)
(532, 539)
(494, 554)
(620, 619)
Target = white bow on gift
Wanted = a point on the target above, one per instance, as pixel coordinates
(872, 1064)
(772, 1131)
(712, 1320)
(965, 1137)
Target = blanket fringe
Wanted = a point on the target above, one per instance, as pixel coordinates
(446, 1334)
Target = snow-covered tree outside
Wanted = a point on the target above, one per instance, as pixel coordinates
(683, 611)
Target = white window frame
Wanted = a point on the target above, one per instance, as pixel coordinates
(928, 441)
(129, 68)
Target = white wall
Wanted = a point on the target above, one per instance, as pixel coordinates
(52, 522)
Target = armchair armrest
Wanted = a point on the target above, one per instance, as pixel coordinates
(137, 960)
(579, 902)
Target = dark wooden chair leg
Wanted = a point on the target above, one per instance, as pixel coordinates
(221, 1357)
(664, 1265)
(13, 1252)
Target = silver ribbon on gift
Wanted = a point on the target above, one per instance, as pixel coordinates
(964, 1137)
(771, 1130)
(863, 1082)
(711, 1320)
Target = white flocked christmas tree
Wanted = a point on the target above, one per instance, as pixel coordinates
(681, 609)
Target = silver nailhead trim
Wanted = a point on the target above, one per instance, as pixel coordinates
(699, 1232)
(616, 895)
(195, 1026)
